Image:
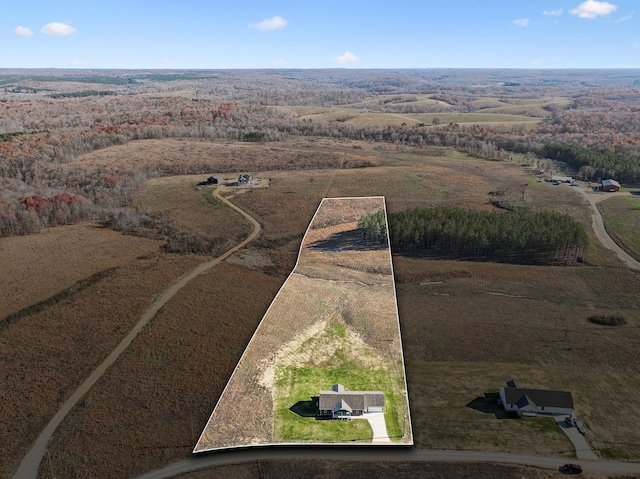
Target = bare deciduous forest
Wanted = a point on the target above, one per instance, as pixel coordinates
(49, 118)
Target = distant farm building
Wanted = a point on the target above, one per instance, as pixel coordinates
(244, 180)
(610, 185)
(340, 403)
(212, 180)
(562, 179)
(532, 402)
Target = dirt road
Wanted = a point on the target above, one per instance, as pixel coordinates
(379, 453)
(28, 468)
(601, 232)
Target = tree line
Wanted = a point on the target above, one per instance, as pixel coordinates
(530, 237)
(595, 164)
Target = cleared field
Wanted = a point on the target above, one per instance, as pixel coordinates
(161, 381)
(534, 107)
(364, 117)
(45, 356)
(621, 216)
(469, 327)
(338, 336)
(187, 156)
(36, 267)
(365, 470)
(193, 209)
(150, 407)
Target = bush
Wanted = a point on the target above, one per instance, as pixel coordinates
(607, 320)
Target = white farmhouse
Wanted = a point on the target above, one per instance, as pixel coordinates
(533, 402)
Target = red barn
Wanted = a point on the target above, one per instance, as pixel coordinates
(610, 185)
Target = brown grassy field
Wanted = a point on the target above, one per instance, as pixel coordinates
(193, 209)
(480, 324)
(36, 267)
(621, 216)
(151, 405)
(187, 156)
(526, 115)
(476, 350)
(278, 469)
(45, 356)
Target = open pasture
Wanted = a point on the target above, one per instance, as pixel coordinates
(621, 216)
(507, 116)
(150, 407)
(480, 324)
(341, 469)
(36, 267)
(193, 209)
(551, 301)
(533, 107)
(188, 156)
(46, 356)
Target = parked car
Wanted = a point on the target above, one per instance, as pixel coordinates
(581, 427)
(569, 421)
(571, 469)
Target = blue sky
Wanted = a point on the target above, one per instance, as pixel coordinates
(214, 34)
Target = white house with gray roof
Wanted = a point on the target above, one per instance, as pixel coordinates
(533, 402)
(340, 403)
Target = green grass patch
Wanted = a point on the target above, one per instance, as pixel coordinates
(212, 200)
(297, 390)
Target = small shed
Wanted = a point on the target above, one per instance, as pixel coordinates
(610, 185)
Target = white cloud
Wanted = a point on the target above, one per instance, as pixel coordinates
(21, 31)
(59, 29)
(79, 64)
(624, 19)
(164, 61)
(537, 61)
(553, 13)
(521, 22)
(593, 9)
(635, 44)
(267, 24)
(346, 57)
(279, 61)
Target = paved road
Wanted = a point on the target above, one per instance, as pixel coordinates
(601, 232)
(28, 468)
(378, 453)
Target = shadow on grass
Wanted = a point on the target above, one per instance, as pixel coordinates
(488, 404)
(305, 408)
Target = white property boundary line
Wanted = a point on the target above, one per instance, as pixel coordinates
(255, 334)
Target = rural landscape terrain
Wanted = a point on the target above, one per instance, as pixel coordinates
(334, 321)
(499, 273)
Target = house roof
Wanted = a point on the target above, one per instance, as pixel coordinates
(512, 383)
(538, 397)
(610, 183)
(359, 400)
(525, 401)
(342, 406)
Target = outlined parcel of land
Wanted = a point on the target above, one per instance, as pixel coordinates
(334, 322)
